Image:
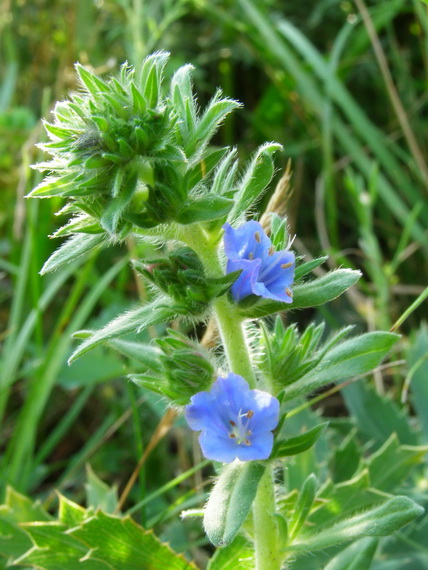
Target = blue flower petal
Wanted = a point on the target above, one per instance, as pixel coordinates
(235, 422)
(218, 447)
(247, 280)
(264, 272)
(260, 448)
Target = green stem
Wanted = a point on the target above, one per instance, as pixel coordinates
(266, 543)
(234, 343)
(268, 554)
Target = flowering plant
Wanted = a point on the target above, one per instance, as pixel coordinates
(132, 157)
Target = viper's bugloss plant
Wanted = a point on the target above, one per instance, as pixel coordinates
(132, 156)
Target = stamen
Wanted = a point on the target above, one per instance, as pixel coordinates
(232, 435)
(286, 265)
(289, 292)
(251, 255)
(232, 423)
(250, 414)
(249, 432)
(247, 442)
(257, 237)
(272, 251)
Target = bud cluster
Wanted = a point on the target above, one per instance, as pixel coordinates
(182, 276)
(125, 155)
(184, 368)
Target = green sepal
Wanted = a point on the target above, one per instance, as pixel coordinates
(256, 178)
(230, 500)
(151, 77)
(208, 124)
(207, 208)
(311, 294)
(76, 246)
(94, 84)
(298, 444)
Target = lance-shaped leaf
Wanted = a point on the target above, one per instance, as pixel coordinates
(211, 119)
(348, 359)
(311, 294)
(71, 249)
(255, 180)
(207, 208)
(230, 500)
(356, 556)
(382, 520)
(132, 321)
(303, 505)
(298, 444)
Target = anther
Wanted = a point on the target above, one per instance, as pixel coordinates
(232, 423)
(250, 414)
(247, 442)
(251, 255)
(289, 292)
(272, 251)
(286, 265)
(257, 236)
(232, 435)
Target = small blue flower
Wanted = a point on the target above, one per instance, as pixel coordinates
(235, 422)
(265, 272)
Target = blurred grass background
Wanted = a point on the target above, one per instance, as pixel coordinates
(342, 85)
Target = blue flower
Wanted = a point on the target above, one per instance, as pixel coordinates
(235, 422)
(265, 273)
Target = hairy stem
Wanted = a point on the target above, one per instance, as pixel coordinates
(267, 555)
(230, 324)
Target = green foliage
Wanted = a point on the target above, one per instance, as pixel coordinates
(310, 68)
(309, 294)
(80, 538)
(182, 369)
(230, 500)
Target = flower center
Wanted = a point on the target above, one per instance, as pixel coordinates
(240, 432)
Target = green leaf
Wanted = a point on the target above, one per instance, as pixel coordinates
(70, 514)
(377, 416)
(239, 554)
(121, 543)
(230, 500)
(378, 521)
(303, 505)
(255, 180)
(92, 82)
(417, 375)
(151, 77)
(210, 121)
(356, 556)
(54, 548)
(392, 463)
(304, 268)
(298, 444)
(14, 542)
(207, 208)
(133, 321)
(71, 249)
(311, 294)
(98, 494)
(183, 99)
(348, 359)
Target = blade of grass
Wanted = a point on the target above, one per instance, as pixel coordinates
(19, 454)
